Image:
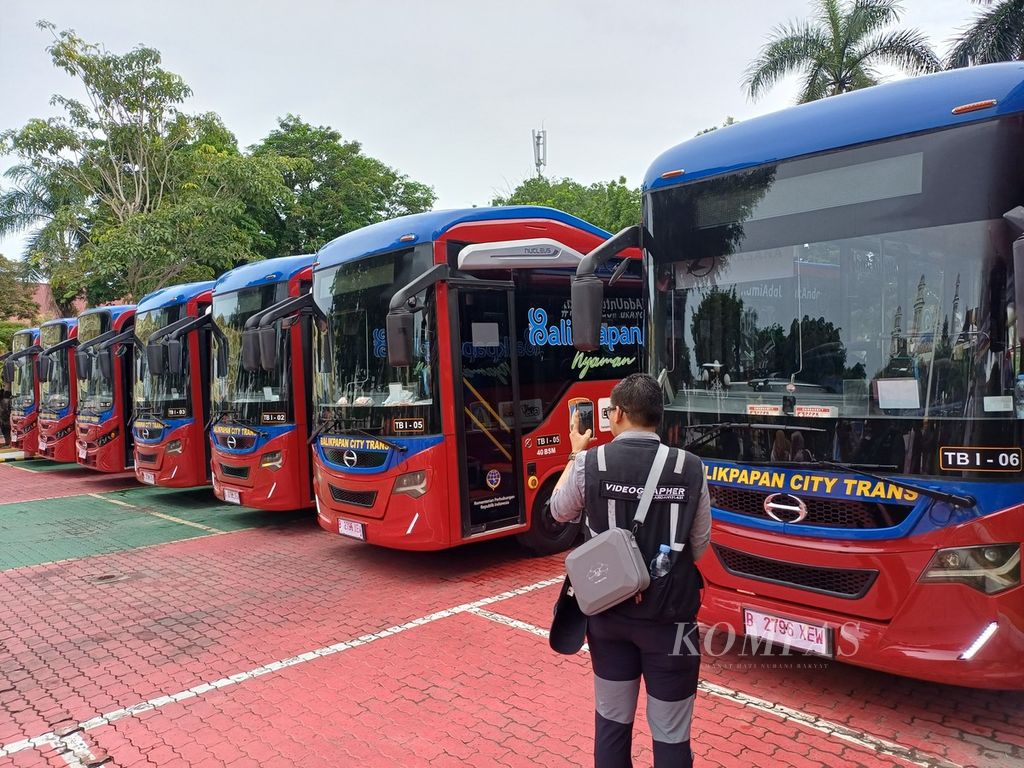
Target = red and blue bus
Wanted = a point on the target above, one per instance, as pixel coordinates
(445, 375)
(172, 386)
(836, 294)
(105, 370)
(58, 389)
(20, 371)
(261, 407)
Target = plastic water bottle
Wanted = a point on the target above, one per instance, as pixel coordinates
(661, 563)
(1018, 396)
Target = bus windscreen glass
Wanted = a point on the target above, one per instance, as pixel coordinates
(866, 293)
(353, 380)
(166, 395)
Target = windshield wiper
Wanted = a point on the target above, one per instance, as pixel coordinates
(714, 430)
(326, 426)
(364, 433)
(963, 502)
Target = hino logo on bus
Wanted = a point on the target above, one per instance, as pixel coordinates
(788, 505)
(231, 442)
(350, 458)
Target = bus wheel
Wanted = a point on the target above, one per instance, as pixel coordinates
(546, 535)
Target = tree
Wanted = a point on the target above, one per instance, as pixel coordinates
(16, 299)
(729, 120)
(333, 188)
(56, 216)
(839, 50)
(168, 194)
(610, 205)
(996, 35)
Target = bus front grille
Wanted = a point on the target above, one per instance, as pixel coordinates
(147, 458)
(846, 583)
(240, 473)
(822, 511)
(362, 458)
(235, 442)
(355, 498)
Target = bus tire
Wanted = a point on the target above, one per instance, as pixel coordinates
(546, 535)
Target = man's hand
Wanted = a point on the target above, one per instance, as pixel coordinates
(576, 440)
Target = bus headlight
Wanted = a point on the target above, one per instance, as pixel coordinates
(104, 439)
(411, 484)
(173, 447)
(272, 460)
(989, 568)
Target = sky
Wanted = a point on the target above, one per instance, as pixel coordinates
(445, 91)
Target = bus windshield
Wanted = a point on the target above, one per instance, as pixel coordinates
(868, 291)
(95, 392)
(354, 382)
(260, 397)
(55, 390)
(23, 385)
(167, 394)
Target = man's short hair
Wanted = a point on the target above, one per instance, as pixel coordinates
(639, 395)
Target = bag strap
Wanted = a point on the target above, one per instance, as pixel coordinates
(652, 482)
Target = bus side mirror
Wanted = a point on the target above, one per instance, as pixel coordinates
(106, 364)
(268, 346)
(8, 371)
(400, 326)
(1018, 271)
(587, 300)
(83, 361)
(155, 358)
(250, 351)
(43, 362)
(173, 356)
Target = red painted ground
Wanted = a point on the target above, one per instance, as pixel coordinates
(91, 636)
(17, 484)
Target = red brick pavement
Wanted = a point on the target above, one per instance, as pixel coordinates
(86, 637)
(17, 484)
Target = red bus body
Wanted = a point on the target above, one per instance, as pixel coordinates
(261, 420)
(58, 389)
(173, 408)
(483, 464)
(104, 365)
(24, 391)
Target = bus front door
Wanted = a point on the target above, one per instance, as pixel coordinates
(488, 401)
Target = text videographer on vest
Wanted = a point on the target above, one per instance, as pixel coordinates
(654, 633)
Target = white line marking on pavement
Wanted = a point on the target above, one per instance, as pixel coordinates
(48, 739)
(859, 738)
(161, 515)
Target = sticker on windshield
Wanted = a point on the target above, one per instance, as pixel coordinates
(173, 413)
(409, 425)
(273, 417)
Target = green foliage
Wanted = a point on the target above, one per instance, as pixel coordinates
(610, 205)
(839, 49)
(332, 188)
(996, 35)
(16, 297)
(729, 120)
(7, 330)
(149, 195)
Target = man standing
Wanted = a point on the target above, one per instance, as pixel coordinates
(650, 635)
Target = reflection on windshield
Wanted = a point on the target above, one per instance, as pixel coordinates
(167, 394)
(258, 396)
(95, 393)
(353, 377)
(55, 391)
(23, 386)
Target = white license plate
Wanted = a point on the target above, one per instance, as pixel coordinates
(42, 444)
(232, 496)
(149, 478)
(796, 634)
(351, 529)
(81, 452)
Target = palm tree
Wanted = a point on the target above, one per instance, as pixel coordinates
(838, 50)
(996, 35)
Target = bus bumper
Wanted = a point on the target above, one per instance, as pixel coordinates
(365, 507)
(57, 439)
(25, 434)
(260, 479)
(185, 467)
(949, 633)
(101, 447)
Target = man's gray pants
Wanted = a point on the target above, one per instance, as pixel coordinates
(624, 650)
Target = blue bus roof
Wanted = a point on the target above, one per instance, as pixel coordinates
(262, 273)
(173, 295)
(33, 331)
(872, 114)
(426, 227)
(115, 310)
